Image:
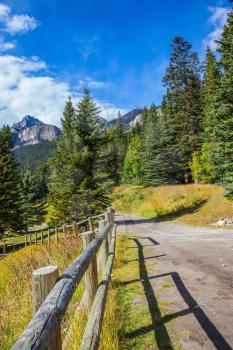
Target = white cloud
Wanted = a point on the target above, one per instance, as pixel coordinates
(6, 45)
(16, 24)
(25, 88)
(90, 83)
(4, 12)
(109, 111)
(217, 20)
(19, 24)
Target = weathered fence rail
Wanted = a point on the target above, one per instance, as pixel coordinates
(43, 331)
(46, 235)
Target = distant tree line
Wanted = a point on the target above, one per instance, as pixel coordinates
(189, 139)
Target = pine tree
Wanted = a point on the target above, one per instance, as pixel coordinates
(112, 155)
(10, 211)
(183, 101)
(120, 140)
(202, 166)
(67, 121)
(223, 129)
(78, 176)
(63, 168)
(160, 157)
(209, 90)
(33, 204)
(133, 162)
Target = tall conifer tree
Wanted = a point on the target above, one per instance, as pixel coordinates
(183, 100)
(10, 209)
(202, 165)
(78, 177)
(223, 129)
(62, 167)
(120, 140)
(33, 204)
(160, 156)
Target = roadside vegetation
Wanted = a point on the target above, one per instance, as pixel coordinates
(15, 285)
(191, 204)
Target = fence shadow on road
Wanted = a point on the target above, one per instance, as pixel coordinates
(161, 335)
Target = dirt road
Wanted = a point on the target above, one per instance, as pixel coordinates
(192, 270)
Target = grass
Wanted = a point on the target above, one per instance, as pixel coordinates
(193, 204)
(15, 285)
(135, 329)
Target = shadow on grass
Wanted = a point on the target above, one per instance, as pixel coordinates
(164, 216)
(161, 335)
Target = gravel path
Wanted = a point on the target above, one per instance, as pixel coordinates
(198, 265)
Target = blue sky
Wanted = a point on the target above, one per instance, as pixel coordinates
(118, 48)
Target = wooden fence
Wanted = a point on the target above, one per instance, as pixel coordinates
(46, 235)
(51, 301)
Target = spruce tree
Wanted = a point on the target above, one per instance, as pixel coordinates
(202, 166)
(78, 172)
(33, 203)
(223, 128)
(120, 140)
(10, 210)
(160, 157)
(67, 121)
(183, 101)
(133, 162)
(112, 155)
(63, 168)
(210, 87)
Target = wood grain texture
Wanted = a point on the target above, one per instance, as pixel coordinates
(43, 281)
(91, 275)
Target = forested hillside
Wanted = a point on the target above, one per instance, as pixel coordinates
(32, 156)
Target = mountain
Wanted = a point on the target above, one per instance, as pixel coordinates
(31, 131)
(129, 118)
(32, 156)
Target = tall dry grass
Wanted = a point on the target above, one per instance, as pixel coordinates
(15, 284)
(195, 204)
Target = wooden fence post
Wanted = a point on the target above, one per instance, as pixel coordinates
(91, 275)
(75, 228)
(25, 240)
(107, 217)
(42, 237)
(64, 230)
(90, 222)
(111, 211)
(104, 247)
(56, 236)
(43, 281)
(4, 248)
(36, 238)
(49, 237)
(30, 238)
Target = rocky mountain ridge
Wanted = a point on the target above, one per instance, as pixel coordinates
(31, 131)
(130, 118)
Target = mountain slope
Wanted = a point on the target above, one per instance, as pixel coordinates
(129, 118)
(30, 157)
(31, 131)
